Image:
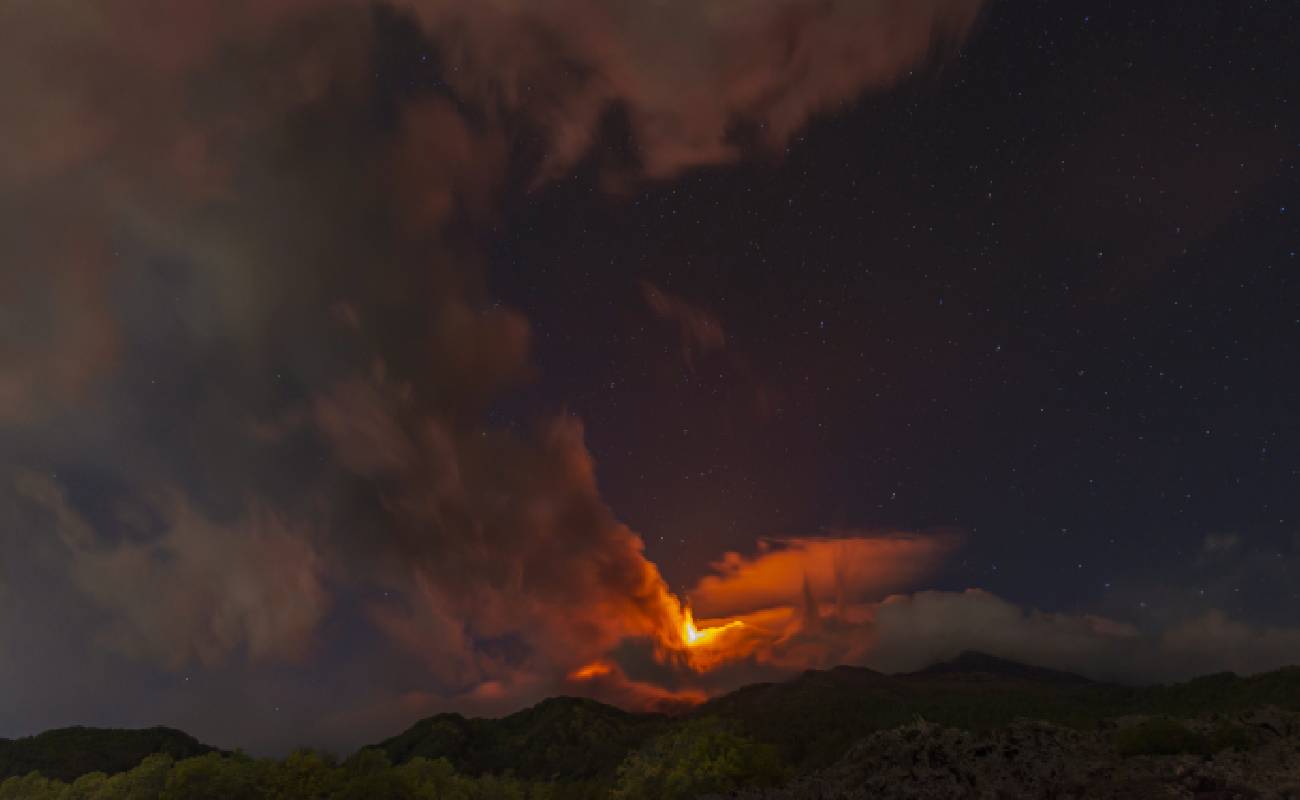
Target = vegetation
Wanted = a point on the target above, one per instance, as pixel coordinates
(578, 749)
(365, 776)
(69, 752)
(564, 737)
(1165, 736)
(700, 757)
(1160, 736)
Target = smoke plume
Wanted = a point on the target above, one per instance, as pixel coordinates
(247, 349)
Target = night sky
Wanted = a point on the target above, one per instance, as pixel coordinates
(1048, 294)
(349, 353)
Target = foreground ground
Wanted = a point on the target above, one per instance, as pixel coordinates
(1250, 755)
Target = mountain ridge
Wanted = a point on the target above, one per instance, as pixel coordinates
(977, 664)
(812, 719)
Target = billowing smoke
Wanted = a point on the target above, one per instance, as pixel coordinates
(255, 584)
(246, 348)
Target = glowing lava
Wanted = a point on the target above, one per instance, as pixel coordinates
(694, 637)
(685, 648)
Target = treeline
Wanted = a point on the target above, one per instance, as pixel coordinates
(69, 753)
(705, 756)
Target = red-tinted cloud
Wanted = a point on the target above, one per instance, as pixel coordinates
(844, 570)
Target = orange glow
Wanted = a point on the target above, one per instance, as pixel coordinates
(606, 681)
(795, 603)
(695, 637)
(775, 606)
(596, 669)
(847, 568)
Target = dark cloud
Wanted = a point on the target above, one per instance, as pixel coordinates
(689, 76)
(254, 585)
(699, 331)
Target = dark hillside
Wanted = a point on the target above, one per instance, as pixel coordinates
(65, 753)
(816, 717)
(971, 665)
(563, 737)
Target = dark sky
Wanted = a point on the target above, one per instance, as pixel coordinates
(347, 350)
(1048, 294)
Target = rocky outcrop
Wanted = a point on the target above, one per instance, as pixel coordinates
(1258, 757)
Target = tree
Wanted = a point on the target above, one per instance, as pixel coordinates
(303, 774)
(435, 779)
(144, 782)
(87, 787)
(32, 786)
(213, 777)
(700, 757)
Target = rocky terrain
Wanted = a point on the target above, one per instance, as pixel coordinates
(1255, 754)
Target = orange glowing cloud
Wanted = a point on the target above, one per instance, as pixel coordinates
(784, 573)
(607, 681)
(796, 603)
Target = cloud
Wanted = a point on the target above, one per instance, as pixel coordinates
(55, 345)
(821, 602)
(504, 558)
(245, 131)
(243, 301)
(908, 632)
(699, 331)
(845, 569)
(912, 631)
(1214, 642)
(606, 681)
(196, 591)
(689, 77)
